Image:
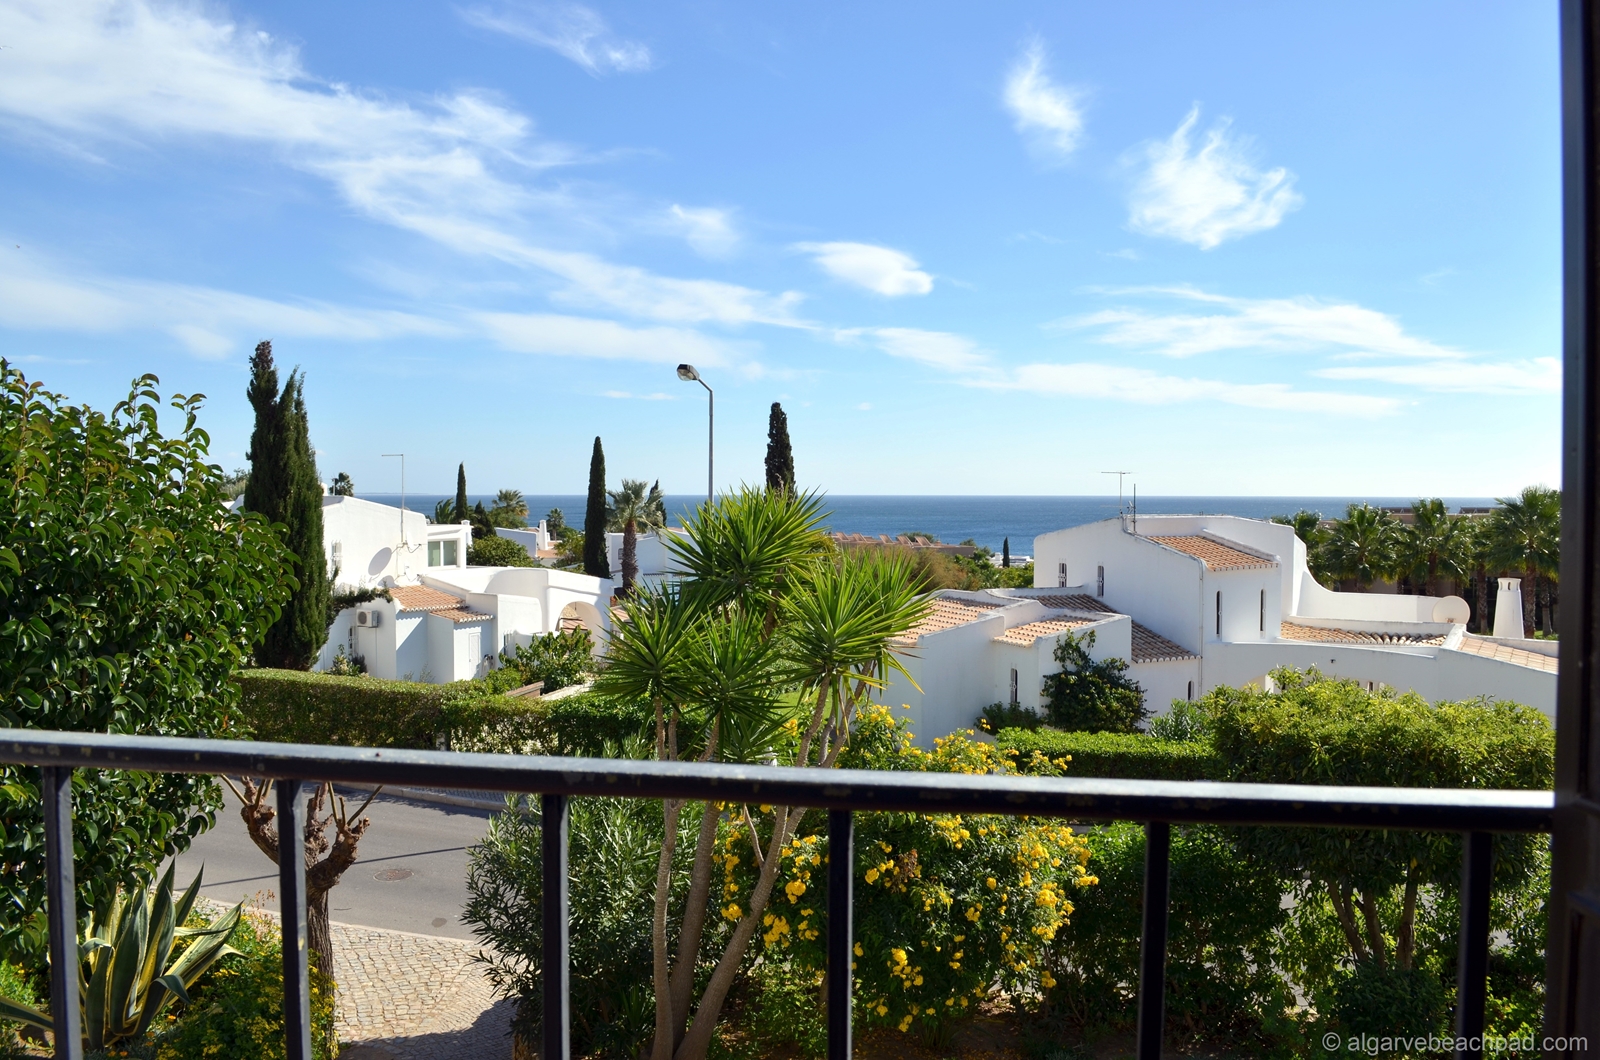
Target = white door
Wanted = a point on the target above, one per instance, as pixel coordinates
(475, 652)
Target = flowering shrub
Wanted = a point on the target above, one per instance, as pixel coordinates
(237, 1010)
(947, 906)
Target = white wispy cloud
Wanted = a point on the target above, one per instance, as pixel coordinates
(708, 230)
(1049, 116)
(572, 30)
(936, 349)
(206, 321)
(568, 336)
(1539, 375)
(1210, 195)
(460, 169)
(882, 270)
(1112, 382)
(1275, 325)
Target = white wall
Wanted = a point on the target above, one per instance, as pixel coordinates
(365, 540)
(1157, 586)
(650, 551)
(956, 686)
(1165, 681)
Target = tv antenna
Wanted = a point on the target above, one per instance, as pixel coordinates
(1120, 476)
(403, 542)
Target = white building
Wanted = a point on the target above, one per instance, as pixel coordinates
(1194, 602)
(444, 621)
(370, 544)
(650, 552)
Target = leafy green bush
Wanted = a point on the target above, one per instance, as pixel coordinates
(558, 659)
(131, 595)
(1382, 897)
(492, 550)
(946, 906)
(593, 724)
(613, 849)
(1091, 696)
(15, 984)
(1182, 721)
(1223, 948)
(997, 716)
(237, 1011)
(1132, 755)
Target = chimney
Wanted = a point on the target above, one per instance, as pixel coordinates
(1508, 609)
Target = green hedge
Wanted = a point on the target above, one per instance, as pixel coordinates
(293, 706)
(1132, 756)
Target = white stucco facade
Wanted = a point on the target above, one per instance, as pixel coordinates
(1192, 603)
(444, 621)
(650, 552)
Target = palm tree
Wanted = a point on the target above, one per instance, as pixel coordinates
(632, 508)
(1434, 547)
(1525, 536)
(765, 607)
(509, 509)
(1360, 548)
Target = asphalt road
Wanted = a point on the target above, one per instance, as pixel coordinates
(410, 872)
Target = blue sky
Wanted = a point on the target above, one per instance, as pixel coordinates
(981, 249)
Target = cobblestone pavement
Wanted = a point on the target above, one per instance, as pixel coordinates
(415, 997)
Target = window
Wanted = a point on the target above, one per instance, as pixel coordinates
(338, 555)
(1219, 612)
(1263, 610)
(1189, 695)
(1099, 581)
(1014, 699)
(1061, 574)
(444, 553)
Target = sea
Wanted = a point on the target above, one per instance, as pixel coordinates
(987, 521)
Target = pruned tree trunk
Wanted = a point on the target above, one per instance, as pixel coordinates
(326, 861)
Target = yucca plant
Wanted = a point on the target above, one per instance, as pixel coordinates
(127, 975)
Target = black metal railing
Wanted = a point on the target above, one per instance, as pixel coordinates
(1160, 804)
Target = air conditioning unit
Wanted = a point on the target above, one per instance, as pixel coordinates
(368, 618)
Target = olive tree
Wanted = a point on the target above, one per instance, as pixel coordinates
(129, 595)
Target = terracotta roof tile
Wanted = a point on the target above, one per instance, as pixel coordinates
(948, 614)
(1073, 602)
(1214, 554)
(462, 614)
(1029, 632)
(1150, 646)
(1506, 653)
(422, 598)
(1296, 631)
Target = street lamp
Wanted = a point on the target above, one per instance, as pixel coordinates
(687, 373)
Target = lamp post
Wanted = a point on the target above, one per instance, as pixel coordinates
(687, 373)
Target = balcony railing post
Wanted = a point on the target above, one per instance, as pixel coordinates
(841, 929)
(1472, 967)
(555, 959)
(292, 909)
(1153, 942)
(61, 908)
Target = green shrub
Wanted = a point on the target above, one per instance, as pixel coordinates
(613, 848)
(492, 550)
(237, 1011)
(947, 906)
(15, 984)
(1091, 696)
(294, 707)
(1182, 721)
(1223, 947)
(593, 724)
(997, 716)
(130, 595)
(1135, 756)
(558, 659)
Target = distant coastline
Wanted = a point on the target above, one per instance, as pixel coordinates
(986, 520)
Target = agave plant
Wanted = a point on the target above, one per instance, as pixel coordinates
(127, 975)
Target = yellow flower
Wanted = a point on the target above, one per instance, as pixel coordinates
(859, 951)
(992, 883)
(733, 912)
(872, 875)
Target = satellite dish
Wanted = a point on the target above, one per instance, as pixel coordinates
(1452, 609)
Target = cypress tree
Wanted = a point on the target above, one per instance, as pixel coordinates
(780, 458)
(1005, 553)
(595, 561)
(463, 511)
(284, 486)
